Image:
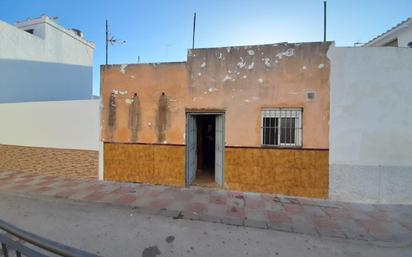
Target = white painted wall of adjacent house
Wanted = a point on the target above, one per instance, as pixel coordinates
(55, 124)
(371, 124)
(53, 64)
(405, 38)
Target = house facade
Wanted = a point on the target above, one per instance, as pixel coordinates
(42, 61)
(250, 118)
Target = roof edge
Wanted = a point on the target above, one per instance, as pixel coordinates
(390, 31)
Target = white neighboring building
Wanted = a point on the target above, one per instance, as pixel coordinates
(42, 61)
(398, 36)
(370, 138)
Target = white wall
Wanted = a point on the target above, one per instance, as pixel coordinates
(58, 67)
(405, 37)
(58, 46)
(371, 124)
(59, 124)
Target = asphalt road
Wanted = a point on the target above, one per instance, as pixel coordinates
(123, 232)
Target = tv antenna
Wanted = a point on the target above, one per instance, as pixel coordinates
(111, 40)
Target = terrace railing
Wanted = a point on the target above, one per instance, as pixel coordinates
(31, 245)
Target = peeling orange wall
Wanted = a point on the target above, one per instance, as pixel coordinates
(240, 80)
(148, 81)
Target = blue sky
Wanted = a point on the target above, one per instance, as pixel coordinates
(160, 31)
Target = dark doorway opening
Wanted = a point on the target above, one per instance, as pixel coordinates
(205, 145)
(206, 138)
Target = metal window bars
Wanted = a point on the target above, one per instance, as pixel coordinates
(32, 245)
(281, 127)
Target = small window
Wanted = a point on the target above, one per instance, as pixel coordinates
(282, 127)
(31, 31)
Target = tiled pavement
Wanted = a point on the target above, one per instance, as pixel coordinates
(383, 223)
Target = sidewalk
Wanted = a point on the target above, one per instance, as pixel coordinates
(383, 223)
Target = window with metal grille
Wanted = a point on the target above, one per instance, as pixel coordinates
(282, 127)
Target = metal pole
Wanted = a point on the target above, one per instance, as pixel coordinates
(107, 42)
(194, 30)
(324, 21)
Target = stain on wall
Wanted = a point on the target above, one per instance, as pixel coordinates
(149, 81)
(112, 115)
(241, 80)
(162, 118)
(153, 164)
(134, 117)
(50, 161)
(282, 171)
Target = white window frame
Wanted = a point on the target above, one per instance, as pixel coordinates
(283, 113)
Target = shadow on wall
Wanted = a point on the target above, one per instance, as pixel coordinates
(29, 81)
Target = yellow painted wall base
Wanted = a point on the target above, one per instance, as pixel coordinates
(280, 171)
(299, 172)
(153, 164)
